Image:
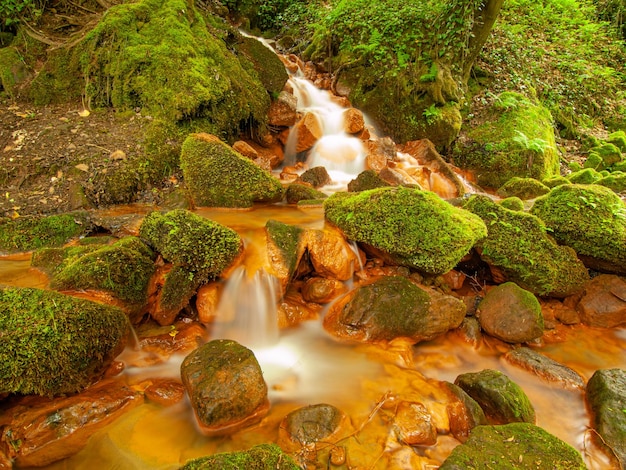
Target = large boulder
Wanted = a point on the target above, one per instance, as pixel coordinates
(54, 344)
(411, 227)
(198, 250)
(521, 446)
(603, 302)
(393, 307)
(217, 176)
(511, 314)
(519, 247)
(515, 139)
(261, 457)
(606, 397)
(502, 400)
(226, 387)
(589, 218)
(122, 269)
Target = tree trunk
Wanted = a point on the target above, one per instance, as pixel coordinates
(484, 20)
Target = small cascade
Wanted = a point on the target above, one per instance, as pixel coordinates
(247, 309)
(341, 154)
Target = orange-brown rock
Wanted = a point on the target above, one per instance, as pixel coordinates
(293, 309)
(38, 431)
(342, 101)
(245, 149)
(321, 290)
(603, 304)
(183, 336)
(331, 255)
(353, 121)
(308, 131)
(165, 391)
(290, 65)
(376, 162)
(207, 299)
(282, 112)
(454, 279)
(414, 425)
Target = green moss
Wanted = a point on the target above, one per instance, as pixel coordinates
(618, 139)
(553, 181)
(217, 176)
(186, 239)
(615, 181)
(512, 203)
(586, 176)
(416, 228)
(609, 154)
(13, 70)
(60, 79)
(594, 161)
(180, 285)
(261, 457)
(519, 244)
(54, 344)
(365, 180)
(286, 238)
(516, 139)
(266, 64)
(297, 192)
(524, 188)
(29, 233)
(589, 218)
(515, 446)
(124, 269)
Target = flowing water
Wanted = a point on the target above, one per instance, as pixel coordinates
(304, 365)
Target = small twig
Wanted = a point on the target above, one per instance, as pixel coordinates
(98, 147)
(82, 7)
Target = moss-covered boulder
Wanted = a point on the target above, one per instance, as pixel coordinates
(616, 181)
(265, 63)
(217, 176)
(518, 245)
(54, 344)
(412, 227)
(502, 400)
(524, 188)
(297, 192)
(285, 247)
(198, 249)
(589, 218)
(515, 446)
(261, 457)
(512, 203)
(122, 269)
(13, 70)
(584, 176)
(393, 307)
(30, 233)
(618, 139)
(511, 314)
(225, 385)
(365, 180)
(553, 181)
(606, 397)
(516, 139)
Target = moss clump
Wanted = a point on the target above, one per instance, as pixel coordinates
(265, 63)
(517, 139)
(512, 203)
(416, 228)
(217, 176)
(515, 446)
(608, 153)
(186, 239)
(261, 457)
(286, 238)
(523, 188)
(12, 70)
(589, 218)
(618, 139)
(54, 344)
(299, 192)
(616, 181)
(30, 233)
(555, 181)
(365, 180)
(519, 244)
(502, 400)
(584, 176)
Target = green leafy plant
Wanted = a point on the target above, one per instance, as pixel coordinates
(431, 114)
(14, 11)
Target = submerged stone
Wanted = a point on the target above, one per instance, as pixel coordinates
(53, 343)
(261, 457)
(393, 307)
(518, 244)
(520, 446)
(589, 218)
(545, 368)
(413, 228)
(502, 400)
(217, 176)
(606, 397)
(310, 424)
(511, 314)
(225, 386)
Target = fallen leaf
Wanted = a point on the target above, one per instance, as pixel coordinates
(84, 113)
(82, 167)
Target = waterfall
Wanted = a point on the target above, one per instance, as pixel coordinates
(247, 311)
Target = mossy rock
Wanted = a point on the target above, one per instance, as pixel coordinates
(557, 180)
(285, 246)
(317, 177)
(261, 457)
(515, 446)
(609, 153)
(589, 218)
(512, 203)
(584, 176)
(516, 139)
(415, 228)
(502, 400)
(300, 192)
(186, 239)
(594, 161)
(13, 71)
(217, 176)
(519, 244)
(616, 181)
(30, 233)
(618, 139)
(365, 180)
(523, 188)
(265, 62)
(606, 396)
(54, 344)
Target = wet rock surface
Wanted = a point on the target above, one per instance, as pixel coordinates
(603, 303)
(546, 368)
